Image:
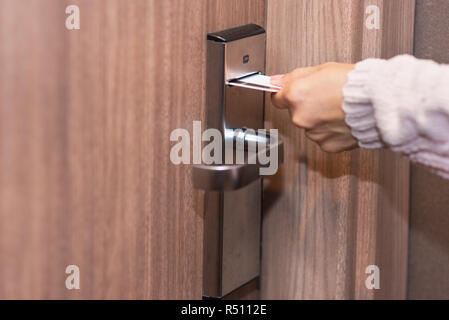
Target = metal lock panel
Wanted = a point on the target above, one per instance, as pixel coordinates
(234, 191)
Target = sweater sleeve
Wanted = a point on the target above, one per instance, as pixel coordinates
(401, 104)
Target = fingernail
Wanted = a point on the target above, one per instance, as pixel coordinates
(276, 79)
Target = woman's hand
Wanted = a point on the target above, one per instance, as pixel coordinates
(314, 98)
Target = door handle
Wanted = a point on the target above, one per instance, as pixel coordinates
(233, 177)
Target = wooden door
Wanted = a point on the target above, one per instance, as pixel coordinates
(85, 121)
(327, 217)
(85, 176)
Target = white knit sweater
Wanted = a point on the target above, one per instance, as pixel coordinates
(402, 104)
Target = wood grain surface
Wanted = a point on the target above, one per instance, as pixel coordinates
(328, 216)
(85, 176)
(85, 121)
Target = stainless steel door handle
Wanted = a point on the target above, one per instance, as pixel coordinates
(233, 177)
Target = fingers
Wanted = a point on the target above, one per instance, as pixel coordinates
(279, 100)
(290, 83)
(332, 141)
(291, 95)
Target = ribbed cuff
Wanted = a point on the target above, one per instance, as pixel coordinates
(358, 107)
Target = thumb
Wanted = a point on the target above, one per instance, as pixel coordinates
(282, 79)
(277, 80)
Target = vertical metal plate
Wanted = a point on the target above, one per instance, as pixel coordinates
(241, 236)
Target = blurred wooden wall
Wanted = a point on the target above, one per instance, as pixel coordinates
(85, 122)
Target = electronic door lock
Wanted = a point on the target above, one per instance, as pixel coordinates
(233, 201)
